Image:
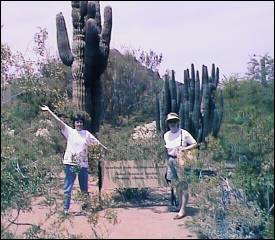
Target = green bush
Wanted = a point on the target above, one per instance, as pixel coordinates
(247, 142)
(123, 147)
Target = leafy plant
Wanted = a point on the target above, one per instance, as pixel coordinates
(237, 203)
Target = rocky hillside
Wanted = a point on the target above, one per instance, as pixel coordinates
(129, 88)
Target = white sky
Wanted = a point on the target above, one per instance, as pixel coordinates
(199, 32)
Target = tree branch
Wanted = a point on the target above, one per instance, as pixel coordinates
(11, 222)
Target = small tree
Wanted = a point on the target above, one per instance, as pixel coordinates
(49, 66)
(261, 68)
(151, 60)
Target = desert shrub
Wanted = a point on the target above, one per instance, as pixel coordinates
(123, 147)
(248, 134)
(28, 163)
(269, 228)
(225, 209)
(232, 86)
(237, 203)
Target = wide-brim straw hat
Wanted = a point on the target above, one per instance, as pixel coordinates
(172, 116)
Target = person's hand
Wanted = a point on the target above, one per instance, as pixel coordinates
(104, 146)
(100, 144)
(44, 108)
(180, 149)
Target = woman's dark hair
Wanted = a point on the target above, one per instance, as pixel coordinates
(78, 117)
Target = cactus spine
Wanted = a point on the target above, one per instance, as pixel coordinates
(196, 103)
(89, 55)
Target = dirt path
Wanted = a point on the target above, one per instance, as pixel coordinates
(148, 219)
(149, 222)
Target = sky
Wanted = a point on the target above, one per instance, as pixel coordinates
(226, 33)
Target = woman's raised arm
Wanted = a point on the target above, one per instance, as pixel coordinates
(60, 123)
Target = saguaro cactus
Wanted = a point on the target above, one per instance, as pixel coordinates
(89, 55)
(197, 104)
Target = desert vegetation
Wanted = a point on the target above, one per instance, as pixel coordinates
(238, 202)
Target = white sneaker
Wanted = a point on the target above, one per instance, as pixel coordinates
(66, 212)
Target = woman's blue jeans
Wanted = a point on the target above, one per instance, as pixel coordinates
(70, 175)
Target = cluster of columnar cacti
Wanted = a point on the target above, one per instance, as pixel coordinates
(89, 55)
(195, 101)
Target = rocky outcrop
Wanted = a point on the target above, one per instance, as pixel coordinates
(146, 131)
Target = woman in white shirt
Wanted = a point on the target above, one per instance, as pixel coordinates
(177, 139)
(76, 155)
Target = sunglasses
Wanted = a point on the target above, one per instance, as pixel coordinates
(173, 121)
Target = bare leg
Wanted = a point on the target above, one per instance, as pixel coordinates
(179, 192)
(184, 200)
(182, 193)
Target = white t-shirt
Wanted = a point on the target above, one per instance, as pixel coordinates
(77, 146)
(174, 140)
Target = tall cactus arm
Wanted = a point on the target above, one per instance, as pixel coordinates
(173, 92)
(76, 17)
(218, 116)
(212, 79)
(179, 96)
(205, 103)
(181, 115)
(91, 71)
(167, 95)
(105, 37)
(63, 43)
(97, 45)
(196, 109)
(75, 4)
(215, 123)
(213, 74)
(91, 10)
(217, 77)
(98, 16)
(221, 109)
(192, 87)
(186, 101)
(83, 8)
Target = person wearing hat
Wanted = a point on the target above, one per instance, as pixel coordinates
(76, 155)
(177, 139)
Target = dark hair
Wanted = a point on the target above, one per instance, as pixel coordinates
(78, 117)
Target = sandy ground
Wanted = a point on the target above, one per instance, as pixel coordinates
(147, 219)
